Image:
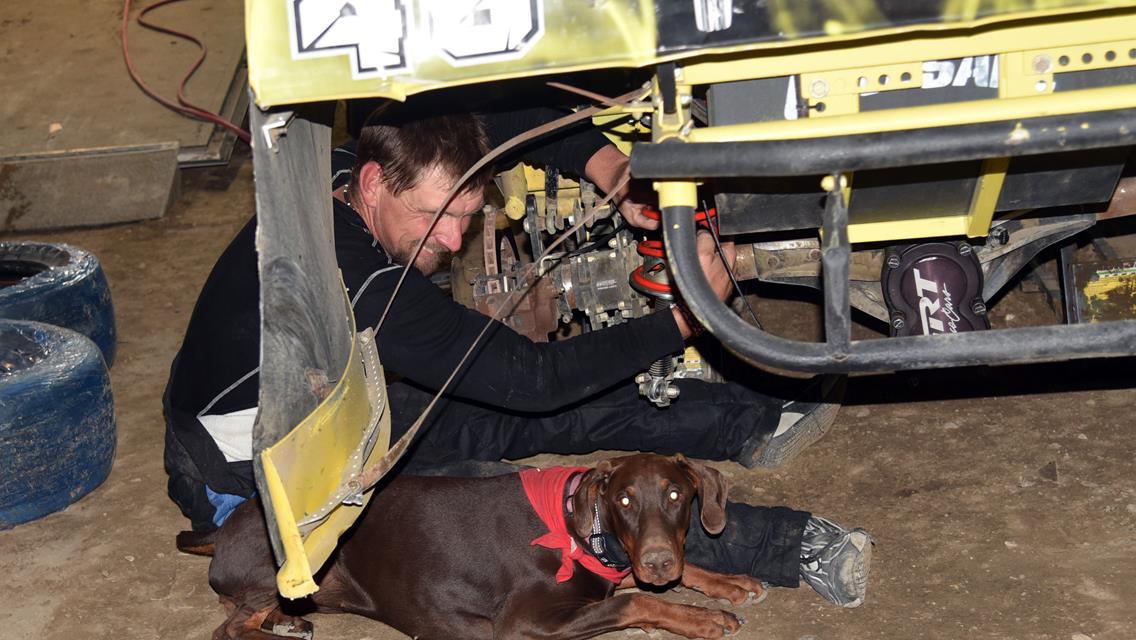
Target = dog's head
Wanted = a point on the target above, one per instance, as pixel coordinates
(644, 500)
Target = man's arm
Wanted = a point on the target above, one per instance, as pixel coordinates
(581, 150)
(427, 333)
(610, 170)
(568, 149)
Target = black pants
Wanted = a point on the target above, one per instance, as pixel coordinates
(711, 422)
(708, 421)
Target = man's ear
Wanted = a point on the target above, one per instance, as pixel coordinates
(369, 188)
(712, 489)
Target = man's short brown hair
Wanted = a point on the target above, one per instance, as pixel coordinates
(405, 142)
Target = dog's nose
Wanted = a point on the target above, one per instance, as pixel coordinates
(659, 561)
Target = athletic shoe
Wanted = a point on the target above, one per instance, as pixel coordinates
(804, 420)
(836, 562)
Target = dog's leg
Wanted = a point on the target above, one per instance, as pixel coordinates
(288, 626)
(736, 589)
(636, 610)
(199, 544)
(244, 624)
(247, 620)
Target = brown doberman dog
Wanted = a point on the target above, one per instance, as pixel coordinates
(438, 557)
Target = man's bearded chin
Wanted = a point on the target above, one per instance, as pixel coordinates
(428, 263)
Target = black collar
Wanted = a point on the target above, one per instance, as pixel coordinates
(601, 544)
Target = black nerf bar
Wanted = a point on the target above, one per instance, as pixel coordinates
(1007, 346)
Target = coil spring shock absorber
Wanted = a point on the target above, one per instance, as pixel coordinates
(652, 279)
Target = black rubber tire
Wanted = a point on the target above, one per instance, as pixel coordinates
(57, 284)
(57, 430)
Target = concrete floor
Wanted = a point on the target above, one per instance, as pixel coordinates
(976, 536)
(72, 114)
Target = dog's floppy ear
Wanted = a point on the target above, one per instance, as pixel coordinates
(604, 469)
(712, 489)
(593, 485)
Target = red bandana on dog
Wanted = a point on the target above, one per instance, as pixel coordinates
(545, 491)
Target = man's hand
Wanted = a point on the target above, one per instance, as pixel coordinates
(610, 170)
(717, 273)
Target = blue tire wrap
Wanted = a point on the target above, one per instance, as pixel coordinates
(71, 291)
(57, 430)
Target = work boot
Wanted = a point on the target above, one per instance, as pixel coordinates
(804, 420)
(836, 562)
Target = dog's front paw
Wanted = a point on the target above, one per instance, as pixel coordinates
(743, 591)
(738, 590)
(719, 624)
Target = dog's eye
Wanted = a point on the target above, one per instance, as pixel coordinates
(673, 495)
(625, 501)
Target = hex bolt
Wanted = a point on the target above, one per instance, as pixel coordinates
(819, 88)
(978, 307)
(828, 183)
(893, 260)
(1042, 64)
(897, 320)
(964, 249)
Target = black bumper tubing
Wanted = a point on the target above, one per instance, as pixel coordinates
(1003, 139)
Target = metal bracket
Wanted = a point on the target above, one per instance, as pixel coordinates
(276, 125)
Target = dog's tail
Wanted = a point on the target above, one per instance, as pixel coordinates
(196, 542)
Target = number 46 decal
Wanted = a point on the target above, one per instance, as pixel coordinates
(471, 32)
(373, 33)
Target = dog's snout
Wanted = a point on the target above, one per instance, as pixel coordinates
(659, 562)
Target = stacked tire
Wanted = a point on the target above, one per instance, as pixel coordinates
(57, 338)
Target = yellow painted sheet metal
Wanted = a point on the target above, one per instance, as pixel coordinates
(835, 64)
(308, 51)
(310, 471)
(928, 116)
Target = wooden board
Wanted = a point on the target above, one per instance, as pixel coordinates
(69, 102)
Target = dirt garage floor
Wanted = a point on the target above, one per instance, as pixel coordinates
(1003, 501)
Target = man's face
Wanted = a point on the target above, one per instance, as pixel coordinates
(401, 220)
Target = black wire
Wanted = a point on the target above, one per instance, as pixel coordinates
(713, 224)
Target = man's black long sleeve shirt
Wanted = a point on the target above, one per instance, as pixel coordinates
(423, 338)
